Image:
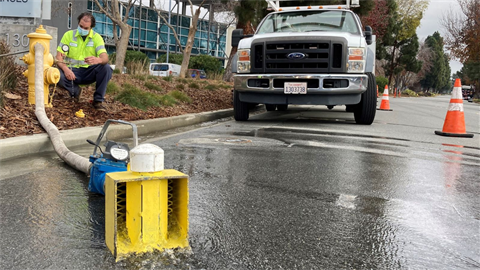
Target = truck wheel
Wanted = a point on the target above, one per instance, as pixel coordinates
(270, 107)
(350, 108)
(364, 112)
(240, 109)
(282, 107)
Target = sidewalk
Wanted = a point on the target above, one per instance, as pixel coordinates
(40, 143)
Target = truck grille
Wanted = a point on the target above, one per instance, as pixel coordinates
(319, 56)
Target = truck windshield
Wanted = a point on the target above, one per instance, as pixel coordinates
(309, 21)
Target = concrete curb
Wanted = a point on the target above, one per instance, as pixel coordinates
(40, 143)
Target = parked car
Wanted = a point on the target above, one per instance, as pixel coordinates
(197, 73)
(164, 69)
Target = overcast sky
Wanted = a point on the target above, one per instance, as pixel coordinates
(431, 23)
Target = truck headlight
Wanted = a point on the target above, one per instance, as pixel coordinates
(356, 60)
(243, 63)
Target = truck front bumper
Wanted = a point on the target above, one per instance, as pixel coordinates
(322, 89)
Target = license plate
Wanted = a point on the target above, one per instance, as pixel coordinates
(295, 88)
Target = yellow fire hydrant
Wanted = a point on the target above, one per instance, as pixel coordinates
(50, 75)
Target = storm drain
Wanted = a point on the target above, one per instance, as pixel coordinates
(233, 140)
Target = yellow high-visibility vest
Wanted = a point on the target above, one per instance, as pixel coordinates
(93, 45)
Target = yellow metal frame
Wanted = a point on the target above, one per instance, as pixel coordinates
(145, 211)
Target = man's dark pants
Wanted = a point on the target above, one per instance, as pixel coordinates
(100, 74)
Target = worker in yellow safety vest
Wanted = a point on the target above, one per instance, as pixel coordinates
(82, 59)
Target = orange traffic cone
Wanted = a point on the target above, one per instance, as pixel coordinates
(454, 125)
(385, 105)
(395, 93)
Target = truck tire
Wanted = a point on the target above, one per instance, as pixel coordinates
(350, 108)
(364, 112)
(270, 107)
(282, 107)
(240, 109)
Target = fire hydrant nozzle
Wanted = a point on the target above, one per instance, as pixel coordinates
(51, 75)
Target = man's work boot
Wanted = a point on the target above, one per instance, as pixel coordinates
(99, 106)
(78, 94)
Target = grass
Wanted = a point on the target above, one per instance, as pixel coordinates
(153, 86)
(137, 98)
(151, 77)
(112, 88)
(137, 67)
(194, 85)
(168, 78)
(182, 97)
(182, 80)
(168, 100)
(180, 86)
(211, 87)
(225, 86)
(139, 77)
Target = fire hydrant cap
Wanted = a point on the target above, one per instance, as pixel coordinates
(147, 157)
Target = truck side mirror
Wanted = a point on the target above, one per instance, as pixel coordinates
(237, 35)
(368, 34)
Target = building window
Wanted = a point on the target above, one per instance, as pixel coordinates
(69, 12)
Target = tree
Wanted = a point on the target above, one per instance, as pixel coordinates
(112, 10)
(407, 62)
(187, 49)
(380, 9)
(401, 31)
(438, 77)
(462, 38)
(249, 13)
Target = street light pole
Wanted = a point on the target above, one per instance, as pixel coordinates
(168, 32)
(139, 26)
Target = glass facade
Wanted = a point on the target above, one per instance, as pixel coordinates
(153, 32)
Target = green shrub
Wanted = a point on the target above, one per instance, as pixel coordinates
(151, 77)
(116, 71)
(210, 64)
(381, 82)
(173, 58)
(211, 87)
(180, 96)
(112, 88)
(153, 86)
(138, 98)
(168, 100)
(194, 85)
(409, 93)
(180, 86)
(168, 78)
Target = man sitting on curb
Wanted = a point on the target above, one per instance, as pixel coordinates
(82, 59)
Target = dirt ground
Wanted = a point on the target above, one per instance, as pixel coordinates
(17, 117)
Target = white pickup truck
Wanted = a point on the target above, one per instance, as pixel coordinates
(315, 55)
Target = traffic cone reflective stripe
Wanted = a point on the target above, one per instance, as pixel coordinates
(454, 125)
(385, 105)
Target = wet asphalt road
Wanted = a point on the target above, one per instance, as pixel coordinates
(306, 189)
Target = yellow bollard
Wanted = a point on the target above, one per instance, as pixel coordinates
(146, 209)
(51, 75)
